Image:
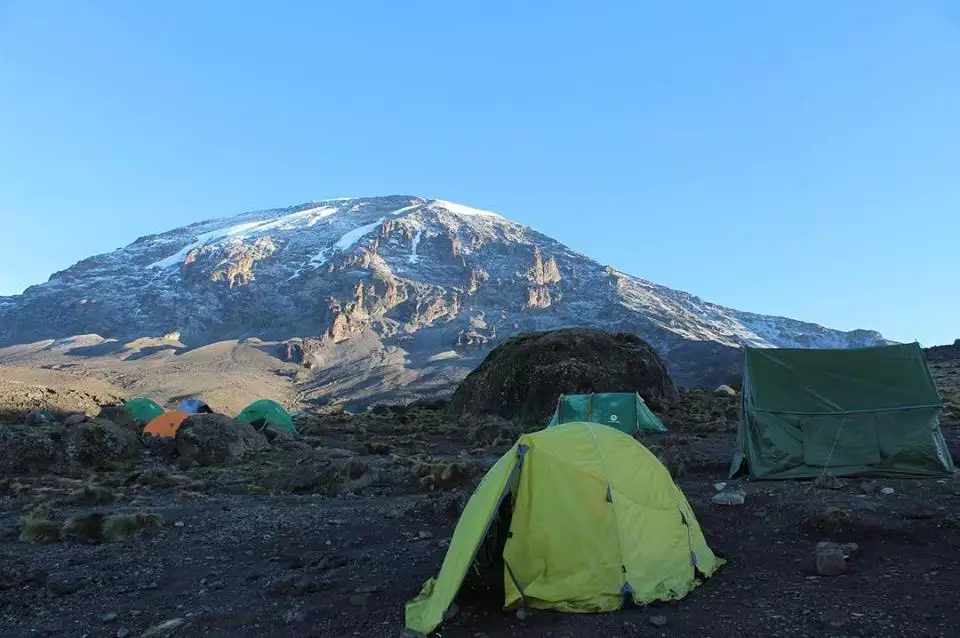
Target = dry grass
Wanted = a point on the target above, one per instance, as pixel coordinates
(39, 530)
(125, 527)
(92, 495)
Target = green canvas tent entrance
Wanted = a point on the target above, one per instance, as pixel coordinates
(857, 412)
(625, 411)
(143, 410)
(266, 412)
(596, 518)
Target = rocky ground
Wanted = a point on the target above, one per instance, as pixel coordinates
(221, 533)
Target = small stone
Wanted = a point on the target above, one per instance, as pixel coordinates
(123, 632)
(831, 559)
(720, 486)
(179, 524)
(292, 616)
(523, 613)
(75, 419)
(424, 535)
(164, 629)
(828, 482)
(62, 586)
(109, 617)
(887, 491)
(834, 619)
(868, 487)
(658, 621)
(729, 498)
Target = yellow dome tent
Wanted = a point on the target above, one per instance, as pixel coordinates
(596, 517)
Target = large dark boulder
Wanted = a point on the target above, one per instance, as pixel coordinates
(212, 439)
(523, 377)
(69, 450)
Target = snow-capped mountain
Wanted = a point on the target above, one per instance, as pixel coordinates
(413, 290)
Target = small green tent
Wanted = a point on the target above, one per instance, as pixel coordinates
(143, 410)
(624, 411)
(855, 412)
(266, 412)
(594, 520)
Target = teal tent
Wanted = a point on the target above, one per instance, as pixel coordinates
(854, 412)
(143, 410)
(625, 411)
(266, 412)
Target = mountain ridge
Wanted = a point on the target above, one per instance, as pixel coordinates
(406, 288)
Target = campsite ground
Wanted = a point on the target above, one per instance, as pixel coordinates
(264, 548)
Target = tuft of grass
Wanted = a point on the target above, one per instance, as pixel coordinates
(91, 495)
(39, 530)
(87, 528)
(124, 527)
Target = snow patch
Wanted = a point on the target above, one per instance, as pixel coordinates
(405, 209)
(460, 209)
(414, 257)
(347, 241)
(177, 258)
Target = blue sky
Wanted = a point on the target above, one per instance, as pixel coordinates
(790, 158)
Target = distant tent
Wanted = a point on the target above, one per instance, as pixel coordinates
(624, 411)
(166, 425)
(856, 412)
(266, 412)
(194, 406)
(143, 410)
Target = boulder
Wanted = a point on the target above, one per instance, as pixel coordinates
(211, 439)
(724, 391)
(119, 415)
(523, 377)
(32, 450)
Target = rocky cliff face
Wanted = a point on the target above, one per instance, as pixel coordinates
(412, 291)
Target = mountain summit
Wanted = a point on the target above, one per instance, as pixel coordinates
(387, 292)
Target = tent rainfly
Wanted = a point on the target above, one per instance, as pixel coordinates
(143, 410)
(856, 412)
(593, 519)
(266, 412)
(625, 411)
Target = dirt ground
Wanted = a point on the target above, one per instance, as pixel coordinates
(264, 548)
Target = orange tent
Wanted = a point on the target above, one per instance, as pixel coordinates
(166, 424)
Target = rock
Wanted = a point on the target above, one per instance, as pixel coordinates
(98, 444)
(62, 585)
(724, 391)
(109, 617)
(39, 417)
(729, 498)
(119, 415)
(75, 419)
(164, 629)
(524, 613)
(522, 377)
(720, 486)
(213, 439)
(834, 619)
(827, 481)
(451, 612)
(831, 559)
(658, 621)
(123, 633)
(887, 491)
(293, 616)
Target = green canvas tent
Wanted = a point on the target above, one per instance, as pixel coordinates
(624, 411)
(266, 412)
(855, 412)
(593, 519)
(143, 410)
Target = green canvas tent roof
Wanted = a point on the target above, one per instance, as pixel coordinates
(624, 411)
(270, 413)
(143, 410)
(596, 520)
(855, 412)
